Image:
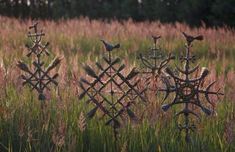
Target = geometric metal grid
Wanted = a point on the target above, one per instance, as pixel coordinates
(154, 63)
(110, 90)
(38, 77)
(188, 91)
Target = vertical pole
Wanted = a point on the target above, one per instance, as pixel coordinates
(186, 115)
(112, 101)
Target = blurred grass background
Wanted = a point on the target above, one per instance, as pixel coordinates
(78, 41)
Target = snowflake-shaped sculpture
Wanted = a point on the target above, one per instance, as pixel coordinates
(188, 90)
(39, 76)
(153, 62)
(110, 90)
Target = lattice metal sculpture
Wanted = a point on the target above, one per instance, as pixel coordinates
(153, 63)
(38, 77)
(188, 90)
(110, 90)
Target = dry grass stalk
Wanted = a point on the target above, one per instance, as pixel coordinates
(124, 147)
(81, 122)
(229, 131)
(59, 133)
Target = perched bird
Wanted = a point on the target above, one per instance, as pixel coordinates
(110, 47)
(155, 38)
(190, 38)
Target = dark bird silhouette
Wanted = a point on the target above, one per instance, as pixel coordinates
(155, 38)
(110, 47)
(190, 38)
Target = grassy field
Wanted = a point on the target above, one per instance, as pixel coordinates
(66, 127)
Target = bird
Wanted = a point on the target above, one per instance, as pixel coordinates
(155, 38)
(190, 38)
(110, 47)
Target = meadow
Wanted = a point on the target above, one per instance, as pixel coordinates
(77, 41)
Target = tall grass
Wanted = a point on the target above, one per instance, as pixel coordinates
(23, 129)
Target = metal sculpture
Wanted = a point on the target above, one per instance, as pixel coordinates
(110, 90)
(188, 90)
(153, 64)
(38, 77)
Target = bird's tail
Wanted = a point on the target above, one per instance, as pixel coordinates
(199, 37)
(117, 46)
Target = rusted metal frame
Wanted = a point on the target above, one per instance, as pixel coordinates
(96, 80)
(92, 87)
(45, 74)
(97, 103)
(126, 107)
(51, 80)
(28, 81)
(128, 83)
(44, 49)
(123, 79)
(132, 100)
(38, 79)
(32, 49)
(104, 98)
(118, 101)
(32, 75)
(146, 62)
(118, 85)
(97, 92)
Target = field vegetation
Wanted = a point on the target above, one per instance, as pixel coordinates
(66, 127)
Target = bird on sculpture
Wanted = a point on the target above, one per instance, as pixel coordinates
(190, 38)
(110, 47)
